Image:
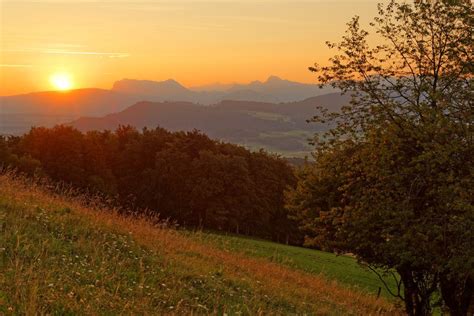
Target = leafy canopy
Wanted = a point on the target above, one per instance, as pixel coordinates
(393, 179)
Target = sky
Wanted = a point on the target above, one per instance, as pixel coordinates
(197, 42)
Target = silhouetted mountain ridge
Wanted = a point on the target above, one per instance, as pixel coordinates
(160, 89)
(278, 127)
(19, 113)
(274, 89)
(251, 114)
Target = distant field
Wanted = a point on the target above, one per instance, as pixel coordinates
(59, 257)
(18, 124)
(292, 143)
(344, 269)
(283, 153)
(271, 116)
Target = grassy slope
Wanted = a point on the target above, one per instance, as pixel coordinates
(58, 257)
(344, 269)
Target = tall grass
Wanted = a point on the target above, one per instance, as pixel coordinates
(61, 254)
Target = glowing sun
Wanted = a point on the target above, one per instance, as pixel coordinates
(61, 81)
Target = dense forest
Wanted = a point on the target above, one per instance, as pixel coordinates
(185, 177)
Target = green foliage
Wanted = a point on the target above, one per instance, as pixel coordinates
(393, 181)
(184, 177)
(10, 159)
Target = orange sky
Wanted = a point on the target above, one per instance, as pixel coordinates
(195, 42)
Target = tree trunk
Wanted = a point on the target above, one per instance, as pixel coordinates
(417, 302)
(409, 301)
(457, 294)
(423, 306)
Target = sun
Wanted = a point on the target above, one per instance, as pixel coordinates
(61, 81)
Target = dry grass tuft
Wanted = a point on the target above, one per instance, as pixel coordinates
(59, 256)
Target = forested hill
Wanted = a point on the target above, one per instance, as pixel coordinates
(281, 128)
(184, 176)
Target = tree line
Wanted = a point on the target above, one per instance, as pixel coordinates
(183, 176)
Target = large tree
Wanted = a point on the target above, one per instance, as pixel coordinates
(393, 180)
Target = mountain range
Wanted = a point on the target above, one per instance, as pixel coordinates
(18, 113)
(274, 89)
(270, 114)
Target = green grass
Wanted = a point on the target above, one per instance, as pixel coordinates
(301, 134)
(344, 269)
(59, 257)
(269, 116)
(278, 142)
(256, 146)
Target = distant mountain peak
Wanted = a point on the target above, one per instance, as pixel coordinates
(150, 82)
(163, 89)
(273, 78)
(274, 89)
(173, 82)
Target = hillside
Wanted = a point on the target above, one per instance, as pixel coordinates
(75, 102)
(60, 257)
(47, 108)
(19, 113)
(281, 128)
(344, 269)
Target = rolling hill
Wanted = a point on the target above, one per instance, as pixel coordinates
(19, 113)
(75, 102)
(281, 128)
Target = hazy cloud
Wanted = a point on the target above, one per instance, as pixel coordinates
(15, 66)
(69, 52)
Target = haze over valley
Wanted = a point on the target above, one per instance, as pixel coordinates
(272, 114)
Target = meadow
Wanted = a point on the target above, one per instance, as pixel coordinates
(58, 256)
(342, 268)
